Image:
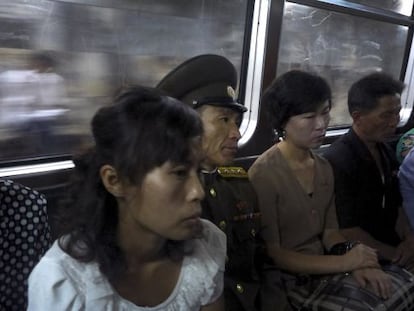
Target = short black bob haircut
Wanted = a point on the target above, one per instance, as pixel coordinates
(365, 93)
(140, 131)
(293, 93)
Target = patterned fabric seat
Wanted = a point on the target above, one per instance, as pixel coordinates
(24, 238)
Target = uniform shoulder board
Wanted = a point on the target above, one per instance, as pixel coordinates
(232, 172)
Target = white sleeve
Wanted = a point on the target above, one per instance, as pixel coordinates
(51, 289)
(214, 242)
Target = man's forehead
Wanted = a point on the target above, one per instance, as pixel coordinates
(389, 102)
(211, 109)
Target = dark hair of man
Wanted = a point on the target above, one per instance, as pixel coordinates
(293, 93)
(139, 132)
(365, 93)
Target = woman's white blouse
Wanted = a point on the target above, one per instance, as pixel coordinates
(59, 282)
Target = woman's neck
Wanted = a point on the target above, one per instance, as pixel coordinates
(139, 246)
(293, 153)
(150, 275)
(301, 163)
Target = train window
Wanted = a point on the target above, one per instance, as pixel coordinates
(403, 6)
(340, 47)
(93, 48)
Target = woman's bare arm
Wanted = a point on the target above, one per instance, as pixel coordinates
(360, 256)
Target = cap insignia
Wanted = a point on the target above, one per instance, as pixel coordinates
(231, 92)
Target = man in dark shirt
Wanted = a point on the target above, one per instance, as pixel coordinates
(368, 201)
(207, 83)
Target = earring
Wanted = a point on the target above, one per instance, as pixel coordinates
(283, 137)
(279, 135)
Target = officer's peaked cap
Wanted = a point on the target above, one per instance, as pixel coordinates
(203, 80)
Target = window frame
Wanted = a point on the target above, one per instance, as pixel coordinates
(271, 54)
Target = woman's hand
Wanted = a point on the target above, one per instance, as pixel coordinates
(376, 280)
(362, 256)
(404, 255)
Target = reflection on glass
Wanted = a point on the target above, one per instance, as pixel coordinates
(96, 49)
(32, 104)
(400, 6)
(339, 47)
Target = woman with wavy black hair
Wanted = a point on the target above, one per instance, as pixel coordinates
(133, 237)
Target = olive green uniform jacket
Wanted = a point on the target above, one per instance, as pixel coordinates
(231, 204)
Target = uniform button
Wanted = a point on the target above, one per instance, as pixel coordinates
(240, 288)
(222, 225)
(213, 192)
(253, 232)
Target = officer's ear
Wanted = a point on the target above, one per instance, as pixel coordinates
(111, 180)
(357, 117)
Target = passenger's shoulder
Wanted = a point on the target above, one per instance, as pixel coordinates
(212, 243)
(55, 257)
(53, 270)
(324, 166)
(11, 188)
(62, 275)
(60, 265)
(321, 159)
(339, 150)
(407, 165)
(269, 157)
(212, 233)
(270, 165)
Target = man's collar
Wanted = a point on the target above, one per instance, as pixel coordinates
(213, 171)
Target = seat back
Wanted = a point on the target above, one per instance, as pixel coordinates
(24, 238)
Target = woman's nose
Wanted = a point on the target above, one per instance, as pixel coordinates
(196, 190)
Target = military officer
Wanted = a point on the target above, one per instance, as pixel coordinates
(207, 83)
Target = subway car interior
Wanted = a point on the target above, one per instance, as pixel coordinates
(94, 47)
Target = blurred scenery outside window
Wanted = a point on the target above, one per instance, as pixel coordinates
(341, 48)
(61, 60)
